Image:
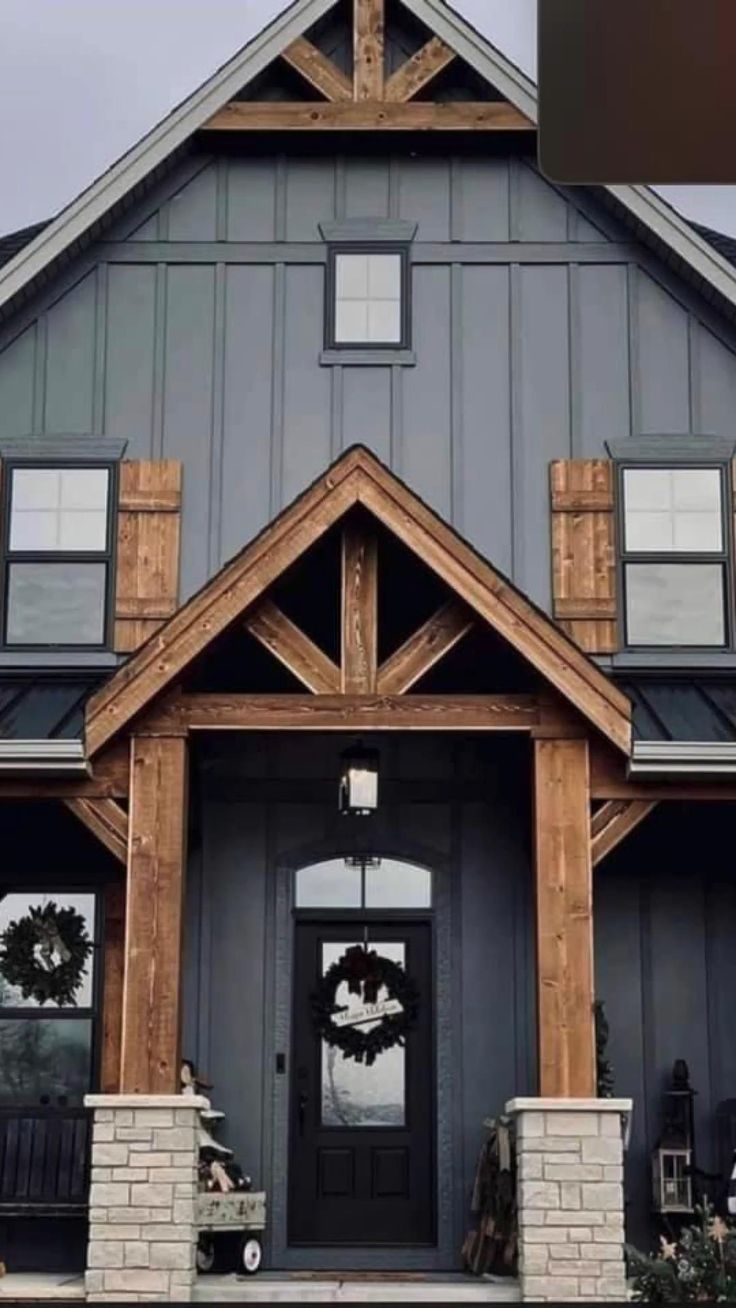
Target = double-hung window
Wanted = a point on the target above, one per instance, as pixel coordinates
(675, 556)
(57, 555)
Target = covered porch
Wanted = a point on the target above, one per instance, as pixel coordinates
(359, 617)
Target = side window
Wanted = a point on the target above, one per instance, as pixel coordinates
(367, 299)
(57, 554)
(675, 556)
(47, 1012)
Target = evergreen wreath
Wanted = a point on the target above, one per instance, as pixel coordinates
(44, 954)
(365, 972)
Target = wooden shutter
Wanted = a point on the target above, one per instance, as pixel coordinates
(147, 579)
(584, 552)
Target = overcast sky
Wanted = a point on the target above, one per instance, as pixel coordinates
(82, 80)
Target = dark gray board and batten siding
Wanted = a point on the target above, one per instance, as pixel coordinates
(194, 331)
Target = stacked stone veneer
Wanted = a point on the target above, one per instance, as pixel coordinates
(570, 1198)
(142, 1232)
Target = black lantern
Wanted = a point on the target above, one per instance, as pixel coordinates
(358, 795)
(672, 1160)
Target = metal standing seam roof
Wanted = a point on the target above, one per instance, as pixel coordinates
(682, 709)
(43, 708)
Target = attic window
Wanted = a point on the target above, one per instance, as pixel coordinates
(57, 555)
(675, 556)
(367, 298)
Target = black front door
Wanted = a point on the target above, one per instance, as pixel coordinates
(361, 1158)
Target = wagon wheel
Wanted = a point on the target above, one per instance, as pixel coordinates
(250, 1255)
(206, 1256)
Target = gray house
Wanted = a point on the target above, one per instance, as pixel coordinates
(367, 699)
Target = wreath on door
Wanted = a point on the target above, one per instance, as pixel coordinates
(367, 974)
(44, 954)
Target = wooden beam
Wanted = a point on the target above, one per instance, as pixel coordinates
(113, 957)
(107, 821)
(368, 49)
(564, 885)
(150, 1056)
(315, 67)
(223, 712)
(368, 116)
(425, 648)
(614, 821)
(289, 644)
(418, 71)
(359, 610)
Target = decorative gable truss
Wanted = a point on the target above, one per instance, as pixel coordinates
(359, 692)
(372, 97)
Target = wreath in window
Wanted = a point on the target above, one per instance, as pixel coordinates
(389, 1017)
(44, 954)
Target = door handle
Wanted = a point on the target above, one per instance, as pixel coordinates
(302, 1102)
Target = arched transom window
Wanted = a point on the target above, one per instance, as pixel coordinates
(358, 881)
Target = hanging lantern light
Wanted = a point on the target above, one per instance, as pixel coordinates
(358, 794)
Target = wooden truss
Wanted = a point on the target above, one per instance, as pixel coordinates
(369, 100)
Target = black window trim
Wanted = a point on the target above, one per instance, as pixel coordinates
(8, 557)
(724, 557)
(333, 347)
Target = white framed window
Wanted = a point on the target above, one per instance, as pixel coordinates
(675, 556)
(367, 298)
(57, 556)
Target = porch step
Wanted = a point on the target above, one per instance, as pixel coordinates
(17, 1287)
(275, 1287)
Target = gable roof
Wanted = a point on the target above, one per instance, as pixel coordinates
(356, 478)
(652, 215)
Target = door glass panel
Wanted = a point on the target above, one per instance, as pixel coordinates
(354, 1095)
(391, 884)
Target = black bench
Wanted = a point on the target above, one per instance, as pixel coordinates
(44, 1162)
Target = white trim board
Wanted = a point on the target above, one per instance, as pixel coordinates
(154, 149)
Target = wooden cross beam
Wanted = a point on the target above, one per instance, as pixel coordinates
(614, 821)
(293, 648)
(106, 820)
(321, 73)
(423, 649)
(349, 712)
(419, 70)
(368, 115)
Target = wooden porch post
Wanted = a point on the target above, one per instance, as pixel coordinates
(150, 1053)
(564, 919)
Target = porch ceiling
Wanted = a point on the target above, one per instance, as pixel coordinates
(357, 481)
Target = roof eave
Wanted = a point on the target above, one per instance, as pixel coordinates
(47, 758)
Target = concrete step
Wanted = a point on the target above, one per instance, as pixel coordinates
(17, 1287)
(274, 1287)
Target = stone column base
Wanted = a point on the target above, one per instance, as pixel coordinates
(142, 1232)
(570, 1198)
